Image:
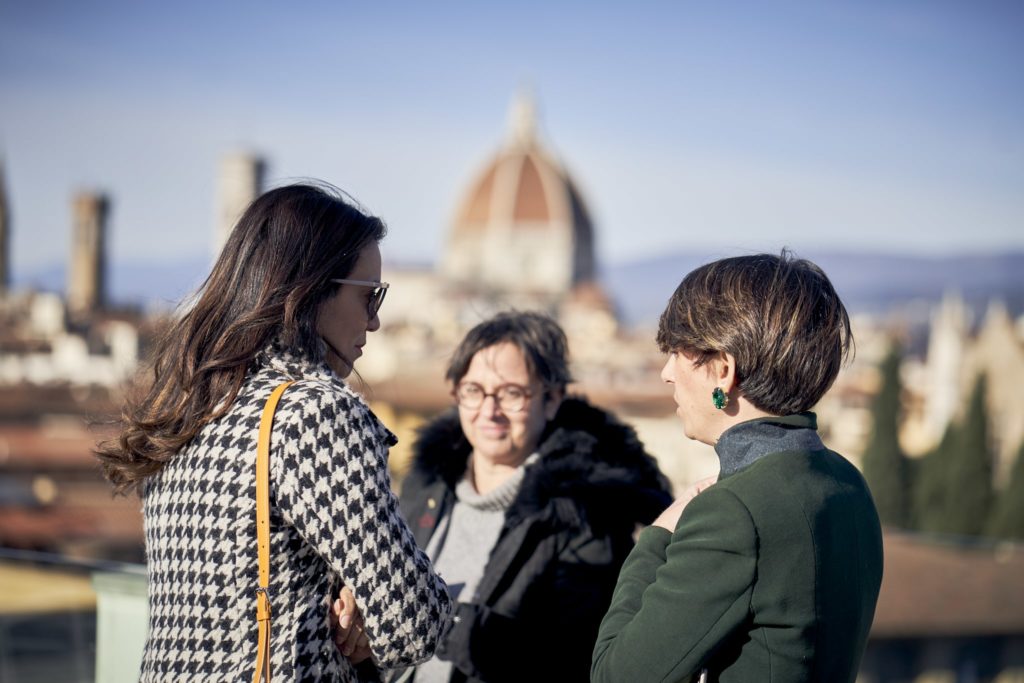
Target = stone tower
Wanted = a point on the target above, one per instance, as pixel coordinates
(87, 273)
(240, 181)
(522, 226)
(947, 340)
(998, 353)
(5, 238)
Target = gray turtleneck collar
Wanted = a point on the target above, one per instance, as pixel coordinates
(501, 497)
(743, 444)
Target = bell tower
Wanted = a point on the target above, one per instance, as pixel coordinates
(5, 238)
(87, 272)
(240, 181)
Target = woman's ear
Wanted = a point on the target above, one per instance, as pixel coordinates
(724, 368)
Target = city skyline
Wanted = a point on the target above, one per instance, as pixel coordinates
(733, 127)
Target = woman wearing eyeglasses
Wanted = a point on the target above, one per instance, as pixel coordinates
(292, 297)
(526, 502)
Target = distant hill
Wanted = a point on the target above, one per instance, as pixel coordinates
(868, 282)
(152, 285)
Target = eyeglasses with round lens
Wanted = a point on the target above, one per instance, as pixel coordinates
(511, 398)
(380, 289)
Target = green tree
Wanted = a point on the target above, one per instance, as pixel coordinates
(885, 466)
(1007, 519)
(968, 489)
(930, 478)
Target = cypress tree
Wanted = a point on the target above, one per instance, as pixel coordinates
(885, 466)
(1007, 519)
(930, 477)
(968, 488)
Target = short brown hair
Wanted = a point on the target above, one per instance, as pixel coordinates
(779, 316)
(540, 339)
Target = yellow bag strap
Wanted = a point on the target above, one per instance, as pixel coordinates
(263, 533)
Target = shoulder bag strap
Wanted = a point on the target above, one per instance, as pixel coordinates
(263, 533)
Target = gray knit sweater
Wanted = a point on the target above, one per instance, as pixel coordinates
(462, 544)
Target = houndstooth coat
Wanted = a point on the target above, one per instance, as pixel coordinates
(334, 520)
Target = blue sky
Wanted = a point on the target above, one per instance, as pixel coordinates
(891, 126)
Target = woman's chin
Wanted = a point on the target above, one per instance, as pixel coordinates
(341, 368)
(505, 457)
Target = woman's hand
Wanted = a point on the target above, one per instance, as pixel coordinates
(347, 625)
(669, 519)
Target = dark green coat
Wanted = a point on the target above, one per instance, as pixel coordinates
(771, 575)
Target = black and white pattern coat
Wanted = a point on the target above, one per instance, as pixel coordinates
(334, 521)
(551, 573)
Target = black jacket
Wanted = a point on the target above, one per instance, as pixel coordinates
(551, 573)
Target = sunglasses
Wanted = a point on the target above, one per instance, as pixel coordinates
(376, 296)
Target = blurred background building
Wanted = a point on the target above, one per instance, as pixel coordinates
(240, 181)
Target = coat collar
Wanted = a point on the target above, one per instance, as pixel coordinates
(295, 363)
(747, 442)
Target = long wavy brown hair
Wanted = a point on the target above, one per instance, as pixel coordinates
(269, 281)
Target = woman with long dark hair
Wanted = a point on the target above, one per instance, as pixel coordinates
(292, 297)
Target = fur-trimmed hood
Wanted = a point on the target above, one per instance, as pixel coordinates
(587, 455)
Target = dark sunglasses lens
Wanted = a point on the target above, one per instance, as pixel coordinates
(376, 300)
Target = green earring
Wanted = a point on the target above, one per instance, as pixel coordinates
(719, 398)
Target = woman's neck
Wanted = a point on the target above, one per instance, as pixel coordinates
(738, 411)
(487, 475)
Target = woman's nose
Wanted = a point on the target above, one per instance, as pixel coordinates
(490, 407)
(666, 372)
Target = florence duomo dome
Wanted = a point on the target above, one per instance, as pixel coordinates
(522, 226)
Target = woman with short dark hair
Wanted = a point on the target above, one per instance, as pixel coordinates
(526, 501)
(292, 297)
(772, 573)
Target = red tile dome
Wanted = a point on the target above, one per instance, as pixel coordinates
(525, 203)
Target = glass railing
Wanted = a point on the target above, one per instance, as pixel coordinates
(64, 619)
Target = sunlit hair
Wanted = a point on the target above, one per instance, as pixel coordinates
(779, 316)
(539, 338)
(268, 283)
